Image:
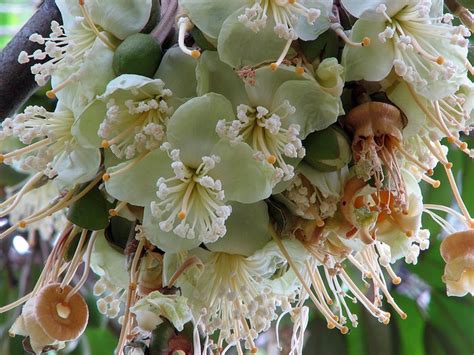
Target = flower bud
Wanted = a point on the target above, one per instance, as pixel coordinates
(138, 54)
(327, 150)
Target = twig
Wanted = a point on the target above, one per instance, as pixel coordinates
(16, 81)
(169, 8)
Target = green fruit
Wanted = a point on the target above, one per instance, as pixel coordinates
(327, 150)
(138, 54)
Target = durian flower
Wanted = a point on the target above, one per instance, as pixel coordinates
(51, 145)
(91, 29)
(428, 53)
(249, 33)
(243, 283)
(457, 250)
(276, 110)
(185, 186)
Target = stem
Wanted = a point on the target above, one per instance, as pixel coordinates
(16, 81)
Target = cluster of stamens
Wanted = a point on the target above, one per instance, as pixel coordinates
(135, 126)
(46, 135)
(264, 131)
(416, 60)
(194, 198)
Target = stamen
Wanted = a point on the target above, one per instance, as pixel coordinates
(281, 58)
(115, 211)
(457, 195)
(185, 25)
(336, 27)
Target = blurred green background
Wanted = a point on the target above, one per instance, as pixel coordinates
(436, 324)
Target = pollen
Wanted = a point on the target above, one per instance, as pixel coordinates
(113, 212)
(463, 145)
(430, 172)
(50, 94)
(254, 350)
(440, 60)
(106, 177)
(409, 234)
(182, 215)
(344, 330)
(274, 66)
(2, 158)
(365, 41)
(22, 224)
(320, 223)
(271, 159)
(299, 70)
(397, 280)
(436, 184)
(195, 53)
(105, 144)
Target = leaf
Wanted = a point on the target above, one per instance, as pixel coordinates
(9, 176)
(410, 330)
(91, 211)
(101, 341)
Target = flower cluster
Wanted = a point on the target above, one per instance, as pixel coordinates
(258, 169)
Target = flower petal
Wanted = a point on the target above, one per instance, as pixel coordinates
(216, 76)
(76, 167)
(247, 230)
(315, 108)
(239, 46)
(367, 8)
(372, 63)
(87, 124)
(202, 11)
(192, 128)
(308, 32)
(244, 179)
(137, 185)
(182, 81)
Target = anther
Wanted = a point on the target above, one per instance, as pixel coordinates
(182, 215)
(271, 159)
(448, 165)
(50, 94)
(299, 70)
(320, 223)
(409, 234)
(440, 60)
(195, 54)
(386, 321)
(331, 326)
(22, 224)
(397, 280)
(254, 350)
(403, 315)
(106, 177)
(2, 158)
(105, 144)
(365, 42)
(113, 212)
(274, 66)
(344, 330)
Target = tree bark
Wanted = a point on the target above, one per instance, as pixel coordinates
(16, 81)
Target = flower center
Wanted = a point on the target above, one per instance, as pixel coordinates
(135, 126)
(264, 130)
(236, 301)
(194, 198)
(414, 34)
(51, 132)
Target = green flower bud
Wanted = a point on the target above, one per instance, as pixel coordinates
(138, 54)
(327, 150)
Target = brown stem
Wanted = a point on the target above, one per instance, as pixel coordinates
(16, 81)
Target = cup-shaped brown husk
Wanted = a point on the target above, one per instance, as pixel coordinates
(457, 250)
(59, 319)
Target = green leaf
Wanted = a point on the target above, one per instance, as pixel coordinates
(9, 176)
(91, 211)
(101, 341)
(410, 330)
